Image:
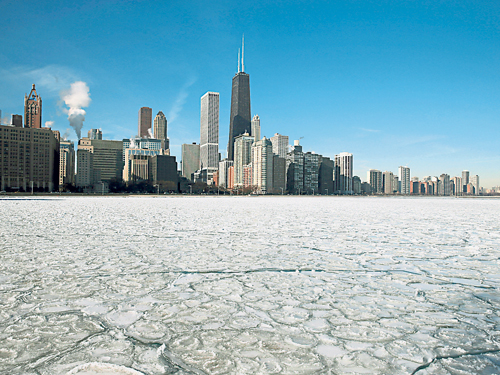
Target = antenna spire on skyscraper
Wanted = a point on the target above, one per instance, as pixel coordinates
(243, 53)
(239, 60)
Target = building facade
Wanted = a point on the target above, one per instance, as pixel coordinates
(404, 178)
(29, 157)
(295, 169)
(242, 156)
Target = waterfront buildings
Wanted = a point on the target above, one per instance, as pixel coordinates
(388, 182)
(33, 110)
(144, 126)
(240, 120)
(465, 181)
(325, 175)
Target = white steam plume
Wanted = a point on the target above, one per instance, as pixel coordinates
(75, 98)
(49, 124)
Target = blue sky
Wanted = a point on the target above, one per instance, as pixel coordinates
(413, 83)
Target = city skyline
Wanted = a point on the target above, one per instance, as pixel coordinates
(392, 85)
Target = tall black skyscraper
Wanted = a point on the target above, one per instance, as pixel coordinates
(240, 121)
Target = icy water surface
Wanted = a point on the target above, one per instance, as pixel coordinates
(243, 285)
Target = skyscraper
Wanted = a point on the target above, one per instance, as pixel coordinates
(404, 177)
(209, 132)
(32, 110)
(256, 128)
(240, 120)
(262, 166)
(465, 181)
(190, 159)
(160, 130)
(295, 169)
(343, 170)
(280, 145)
(145, 118)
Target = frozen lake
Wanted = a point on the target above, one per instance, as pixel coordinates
(242, 285)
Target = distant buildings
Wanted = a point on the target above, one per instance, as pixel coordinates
(262, 166)
(144, 126)
(66, 163)
(242, 157)
(256, 128)
(280, 145)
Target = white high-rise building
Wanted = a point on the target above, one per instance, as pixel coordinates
(343, 173)
(242, 156)
(404, 178)
(160, 130)
(388, 182)
(474, 180)
(256, 128)
(209, 132)
(280, 145)
(262, 166)
(465, 180)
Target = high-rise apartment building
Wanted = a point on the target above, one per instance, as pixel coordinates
(404, 178)
(325, 176)
(262, 166)
(388, 182)
(280, 145)
(160, 130)
(256, 128)
(66, 163)
(33, 110)
(443, 185)
(295, 169)
(375, 180)
(209, 132)
(311, 173)
(343, 170)
(240, 120)
(190, 159)
(145, 118)
(465, 180)
(279, 174)
(242, 156)
(458, 186)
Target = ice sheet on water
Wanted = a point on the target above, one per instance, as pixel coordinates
(250, 285)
